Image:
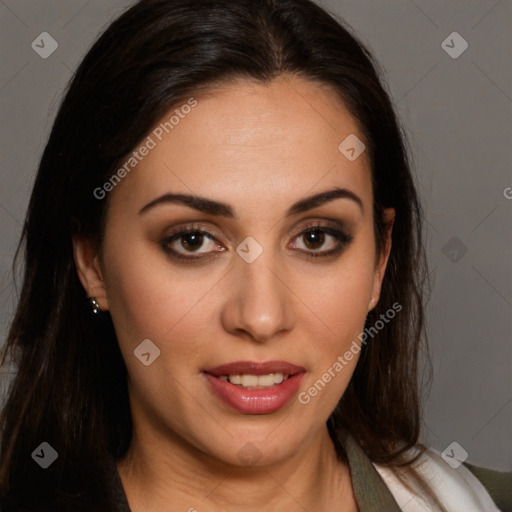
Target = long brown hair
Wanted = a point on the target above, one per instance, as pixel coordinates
(70, 389)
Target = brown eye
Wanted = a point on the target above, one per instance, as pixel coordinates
(192, 241)
(189, 241)
(314, 239)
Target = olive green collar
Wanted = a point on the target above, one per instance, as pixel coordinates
(369, 488)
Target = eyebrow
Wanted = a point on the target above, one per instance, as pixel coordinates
(217, 208)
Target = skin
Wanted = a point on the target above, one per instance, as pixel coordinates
(259, 148)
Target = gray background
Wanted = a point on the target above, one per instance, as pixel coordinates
(457, 113)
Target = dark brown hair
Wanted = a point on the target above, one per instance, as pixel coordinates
(70, 389)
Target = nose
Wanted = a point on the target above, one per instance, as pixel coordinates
(260, 304)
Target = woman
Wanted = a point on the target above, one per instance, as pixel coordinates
(222, 304)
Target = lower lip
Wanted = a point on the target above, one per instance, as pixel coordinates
(255, 401)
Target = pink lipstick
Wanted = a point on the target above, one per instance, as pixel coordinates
(252, 387)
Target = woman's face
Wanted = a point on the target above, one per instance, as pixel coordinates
(244, 288)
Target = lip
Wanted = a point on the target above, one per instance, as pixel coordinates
(255, 401)
(255, 368)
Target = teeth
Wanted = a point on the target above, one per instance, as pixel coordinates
(250, 381)
(279, 377)
(255, 381)
(235, 379)
(263, 380)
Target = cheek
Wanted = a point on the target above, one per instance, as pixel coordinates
(172, 306)
(341, 299)
(334, 358)
(152, 301)
(148, 296)
(341, 305)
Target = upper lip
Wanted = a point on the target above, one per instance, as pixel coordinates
(255, 368)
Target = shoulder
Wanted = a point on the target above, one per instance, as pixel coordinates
(463, 487)
(497, 483)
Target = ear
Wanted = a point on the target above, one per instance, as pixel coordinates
(382, 260)
(87, 262)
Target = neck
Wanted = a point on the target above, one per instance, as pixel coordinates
(171, 474)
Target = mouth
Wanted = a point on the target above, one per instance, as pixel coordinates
(254, 375)
(255, 381)
(253, 387)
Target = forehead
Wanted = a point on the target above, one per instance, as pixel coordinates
(247, 140)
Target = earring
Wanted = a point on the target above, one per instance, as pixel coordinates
(94, 305)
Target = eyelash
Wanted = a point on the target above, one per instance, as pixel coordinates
(342, 238)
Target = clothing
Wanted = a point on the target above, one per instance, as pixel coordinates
(468, 488)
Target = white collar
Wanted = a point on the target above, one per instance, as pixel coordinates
(457, 489)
